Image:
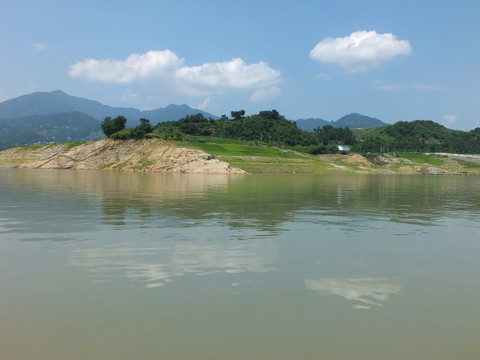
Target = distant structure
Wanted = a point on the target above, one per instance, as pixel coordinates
(343, 148)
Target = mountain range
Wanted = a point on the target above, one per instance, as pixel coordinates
(54, 102)
(55, 116)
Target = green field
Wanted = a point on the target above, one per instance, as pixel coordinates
(277, 164)
(434, 160)
(229, 147)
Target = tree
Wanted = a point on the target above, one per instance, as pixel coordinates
(237, 115)
(270, 114)
(145, 126)
(111, 126)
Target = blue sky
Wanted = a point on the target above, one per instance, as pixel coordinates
(394, 60)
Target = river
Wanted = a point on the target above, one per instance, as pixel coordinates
(103, 265)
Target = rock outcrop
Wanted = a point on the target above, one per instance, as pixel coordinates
(150, 155)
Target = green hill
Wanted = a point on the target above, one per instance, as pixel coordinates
(71, 126)
(352, 121)
(311, 124)
(358, 121)
(420, 136)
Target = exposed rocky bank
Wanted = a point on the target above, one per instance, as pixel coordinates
(150, 155)
(448, 164)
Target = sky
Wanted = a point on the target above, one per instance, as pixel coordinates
(392, 60)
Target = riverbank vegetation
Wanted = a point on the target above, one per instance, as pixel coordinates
(265, 128)
(269, 128)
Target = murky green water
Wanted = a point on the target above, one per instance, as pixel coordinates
(100, 265)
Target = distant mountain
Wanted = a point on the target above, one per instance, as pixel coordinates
(352, 121)
(311, 124)
(357, 121)
(61, 127)
(172, 113)
(47, 103)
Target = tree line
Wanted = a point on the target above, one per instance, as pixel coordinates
(271, 128)
(266, 127)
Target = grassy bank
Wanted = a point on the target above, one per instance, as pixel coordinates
(256, 157)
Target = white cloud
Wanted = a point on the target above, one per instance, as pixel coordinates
(449, 119)
(234, 74)
(360, 51)
(205, 79)
(39, 47)
(265, 94)
(134, 68)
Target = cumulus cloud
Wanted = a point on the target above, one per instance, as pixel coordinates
(265, 94)
(205, 79)
(360, 51)
(134, 68)
(234, 74)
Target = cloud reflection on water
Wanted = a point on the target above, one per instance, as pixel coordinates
(366, 290)
(157, 266)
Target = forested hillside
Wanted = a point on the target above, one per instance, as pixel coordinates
(270, 127)
(72, 126)
(266, 127)
(418, 135)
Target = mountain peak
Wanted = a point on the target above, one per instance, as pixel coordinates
(58, 92)
(356, 121)
(352, 121)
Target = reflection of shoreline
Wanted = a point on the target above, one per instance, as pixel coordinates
(101, 183)
(158, 265)
(259, 200)
(368, 291)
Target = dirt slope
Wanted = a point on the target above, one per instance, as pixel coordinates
(150, 155)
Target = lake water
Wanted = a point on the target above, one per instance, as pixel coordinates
(97, 265)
